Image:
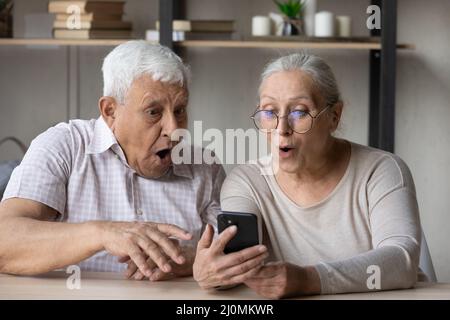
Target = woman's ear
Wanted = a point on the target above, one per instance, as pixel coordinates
(335, 113)
(108, 109)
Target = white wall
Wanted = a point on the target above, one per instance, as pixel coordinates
(33, 90)
(423, 117)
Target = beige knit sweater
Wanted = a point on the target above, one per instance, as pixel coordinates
(370, 219)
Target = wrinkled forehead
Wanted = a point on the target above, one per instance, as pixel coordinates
(286, 85)
(146, 87)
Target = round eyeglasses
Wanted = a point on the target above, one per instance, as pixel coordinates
(299, 121)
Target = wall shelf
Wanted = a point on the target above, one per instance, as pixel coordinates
(60, 42)
(285, 44)
(382, 49)
(210, 43)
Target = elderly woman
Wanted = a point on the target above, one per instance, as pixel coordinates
(338, 216)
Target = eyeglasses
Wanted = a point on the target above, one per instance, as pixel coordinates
(299, 121)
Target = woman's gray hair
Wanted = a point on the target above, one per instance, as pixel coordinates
(316, 67)
(135, 58)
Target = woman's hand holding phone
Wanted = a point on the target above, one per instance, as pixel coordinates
(213, 268)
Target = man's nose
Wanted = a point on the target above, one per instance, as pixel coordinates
(169, 124)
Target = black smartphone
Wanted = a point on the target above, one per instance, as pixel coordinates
(248, 231)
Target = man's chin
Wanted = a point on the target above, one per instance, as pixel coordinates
(154, 171)
(156, 174)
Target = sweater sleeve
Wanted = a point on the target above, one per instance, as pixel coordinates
(395, 230)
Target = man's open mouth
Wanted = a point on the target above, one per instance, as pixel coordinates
(162, 154)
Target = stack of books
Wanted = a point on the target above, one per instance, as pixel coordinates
(89, 19)
(196, 30)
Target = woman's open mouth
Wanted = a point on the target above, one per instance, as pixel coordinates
(286, 152)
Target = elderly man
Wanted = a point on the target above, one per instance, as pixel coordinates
(104, 193)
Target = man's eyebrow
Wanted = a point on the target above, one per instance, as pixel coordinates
(149, 102)
(182, 101)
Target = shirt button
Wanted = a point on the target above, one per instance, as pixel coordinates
(139, 212)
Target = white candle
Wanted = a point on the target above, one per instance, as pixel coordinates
(309, 13)
(324, 24)
(344, 26)
(261, 26)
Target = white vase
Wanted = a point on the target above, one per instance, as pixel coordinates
(308, 16)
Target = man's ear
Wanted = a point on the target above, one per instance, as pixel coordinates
(336, 113)
(108, 109)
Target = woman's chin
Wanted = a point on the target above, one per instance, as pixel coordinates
(288, 165)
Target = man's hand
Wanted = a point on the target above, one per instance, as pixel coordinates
(282, 280)
(142, 240)
(213, 268)
(178, 270)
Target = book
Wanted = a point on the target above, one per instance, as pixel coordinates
(202, 25)
(87, 6)
(91, 34)
(93, 16)
(118, 25)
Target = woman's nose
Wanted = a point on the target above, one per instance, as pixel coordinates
(283, 126)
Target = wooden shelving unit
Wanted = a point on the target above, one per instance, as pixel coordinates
(345, 45)
(382, 49)
(286, 45)
(382, 62)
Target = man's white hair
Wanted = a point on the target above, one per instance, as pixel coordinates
(132, 59)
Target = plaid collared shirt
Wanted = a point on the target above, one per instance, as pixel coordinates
(79, 169)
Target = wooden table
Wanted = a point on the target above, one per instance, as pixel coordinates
(96, 285)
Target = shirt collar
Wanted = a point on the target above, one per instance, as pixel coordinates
(104, 139)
